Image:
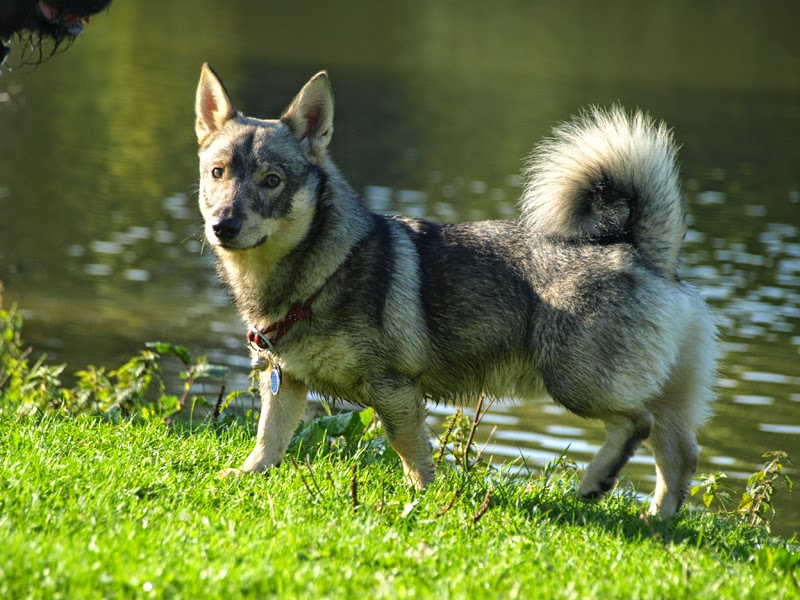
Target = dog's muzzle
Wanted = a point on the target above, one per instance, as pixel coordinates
(226, 229)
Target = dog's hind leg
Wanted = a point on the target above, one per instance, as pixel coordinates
(402, 410)
(280, 415)
(624, 434)
(680, 409)
(676, 452)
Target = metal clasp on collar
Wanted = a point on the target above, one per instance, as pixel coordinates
(259, 340)
(264, 349)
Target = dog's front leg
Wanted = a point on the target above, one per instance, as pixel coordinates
(280, 415)
(403, 413)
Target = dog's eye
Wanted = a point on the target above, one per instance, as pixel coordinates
(272, 180)
(217, 172)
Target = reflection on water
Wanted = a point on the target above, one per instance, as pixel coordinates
(100, 240)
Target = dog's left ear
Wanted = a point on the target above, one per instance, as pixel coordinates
(213, 106)
(310, 115)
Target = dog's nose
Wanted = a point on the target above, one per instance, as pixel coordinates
(227, 229)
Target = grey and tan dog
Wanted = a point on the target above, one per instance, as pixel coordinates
(580, 297)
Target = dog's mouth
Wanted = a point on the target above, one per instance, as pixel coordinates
(230, 248)
(62, 22)
(45, 26)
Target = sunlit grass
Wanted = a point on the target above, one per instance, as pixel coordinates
(93, 509)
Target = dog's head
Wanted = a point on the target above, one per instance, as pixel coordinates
(259, 178)
(38, 22)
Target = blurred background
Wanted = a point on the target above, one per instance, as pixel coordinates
(437, 104)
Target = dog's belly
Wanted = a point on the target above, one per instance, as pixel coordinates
(499, 377)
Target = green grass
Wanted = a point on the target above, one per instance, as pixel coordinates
(89, 509)
(104, 494)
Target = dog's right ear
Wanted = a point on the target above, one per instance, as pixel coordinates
(213, 106)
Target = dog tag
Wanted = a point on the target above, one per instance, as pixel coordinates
(275, 380)
(258, 363)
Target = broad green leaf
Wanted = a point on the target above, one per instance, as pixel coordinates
(367, 415)
(176, 350)
(208, 371)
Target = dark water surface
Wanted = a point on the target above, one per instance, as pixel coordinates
(437, 103)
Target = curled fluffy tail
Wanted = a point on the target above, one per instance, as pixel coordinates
(607, 176)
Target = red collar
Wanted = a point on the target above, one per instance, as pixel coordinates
(298, 312)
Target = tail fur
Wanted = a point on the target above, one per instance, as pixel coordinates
(607, 175)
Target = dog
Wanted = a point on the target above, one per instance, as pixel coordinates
(579, 297)
(59, 21)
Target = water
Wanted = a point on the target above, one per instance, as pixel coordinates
(437, 103)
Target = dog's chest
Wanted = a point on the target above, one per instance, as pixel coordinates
(329, 366)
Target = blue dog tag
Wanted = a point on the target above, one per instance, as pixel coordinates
(275, 380)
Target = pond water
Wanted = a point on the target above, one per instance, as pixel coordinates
(437, 104)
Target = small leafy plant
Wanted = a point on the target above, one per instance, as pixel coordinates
(715, 490)
(459, 437)
(137, 387)
(756, 505)
(757, 501)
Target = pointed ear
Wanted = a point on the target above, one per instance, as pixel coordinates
(213, 105)
(310, 115)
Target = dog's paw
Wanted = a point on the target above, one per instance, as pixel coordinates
(230, 472)
(590, 491)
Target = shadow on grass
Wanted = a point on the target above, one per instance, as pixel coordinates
(551, 497)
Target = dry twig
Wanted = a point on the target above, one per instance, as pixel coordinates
(354, 487)
(218, 405)
(305, 483)
(475, 422)
(449, 504)
(445, 439)
(482, 508)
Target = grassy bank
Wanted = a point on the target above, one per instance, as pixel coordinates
(94, 509)
(106, 492)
